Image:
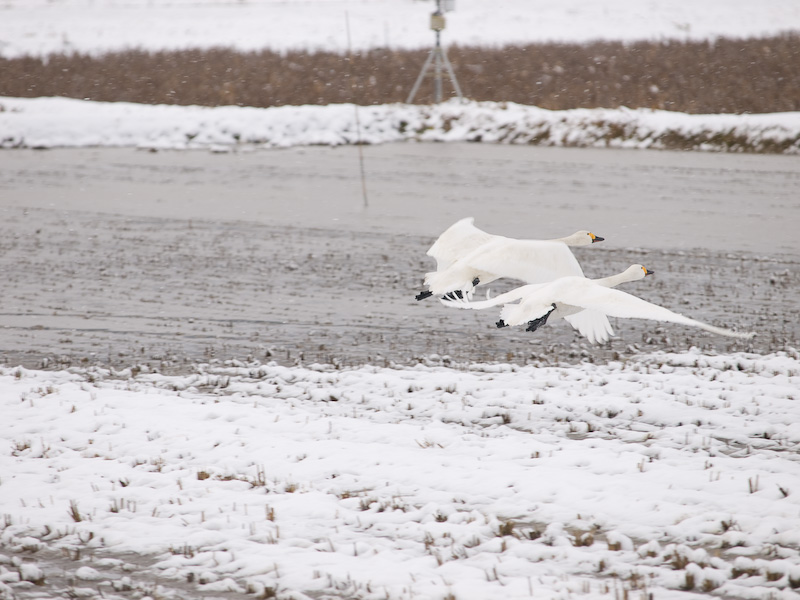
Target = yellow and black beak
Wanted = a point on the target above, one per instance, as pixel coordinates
(647, 271)
(596, 238)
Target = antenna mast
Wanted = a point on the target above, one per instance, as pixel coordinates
(438, 57)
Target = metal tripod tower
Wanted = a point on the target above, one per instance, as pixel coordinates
(438, 58)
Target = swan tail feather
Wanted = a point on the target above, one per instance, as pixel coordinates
(450, 280)
(517, 314)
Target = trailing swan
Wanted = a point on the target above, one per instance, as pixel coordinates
(585, 304)
(467, 256)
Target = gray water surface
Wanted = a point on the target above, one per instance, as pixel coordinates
(120, 257)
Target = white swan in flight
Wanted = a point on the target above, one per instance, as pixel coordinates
(585, 304)
(467, 256)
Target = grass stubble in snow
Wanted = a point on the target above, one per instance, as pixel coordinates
(666, 474)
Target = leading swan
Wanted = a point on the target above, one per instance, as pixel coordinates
(467, 256)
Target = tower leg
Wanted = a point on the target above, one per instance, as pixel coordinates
(420, 77)
(441, 63)
(452, 75)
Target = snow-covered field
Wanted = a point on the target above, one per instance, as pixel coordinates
(39, 27)
(664, 475)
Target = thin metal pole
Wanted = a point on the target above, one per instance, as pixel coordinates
(437, 69)
(355, 108)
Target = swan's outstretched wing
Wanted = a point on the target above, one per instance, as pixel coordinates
(592, 324)
(531, 261)
(616, 303)
(458, 240)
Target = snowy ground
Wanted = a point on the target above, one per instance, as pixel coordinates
(666, 474)
(61, 122)
(38, 27)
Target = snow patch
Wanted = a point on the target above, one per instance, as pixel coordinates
(61, 122)
(668, 472)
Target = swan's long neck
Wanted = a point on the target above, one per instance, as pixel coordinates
(626, 276)
(570, 240)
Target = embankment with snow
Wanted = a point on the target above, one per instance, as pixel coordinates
(63, 123)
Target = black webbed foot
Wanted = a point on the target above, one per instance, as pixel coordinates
(425, 294)
(454, 295)
(475, 282)
(500, 324)
(536, 323)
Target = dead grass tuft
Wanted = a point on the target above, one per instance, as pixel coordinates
(723, 76)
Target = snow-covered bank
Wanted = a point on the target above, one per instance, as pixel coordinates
(670, 472)
(61, 122)
(39, 27)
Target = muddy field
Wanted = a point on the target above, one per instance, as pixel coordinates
(121, 257)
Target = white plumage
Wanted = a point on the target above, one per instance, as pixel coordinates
(585, 304)
(465, 253)
(461, 238)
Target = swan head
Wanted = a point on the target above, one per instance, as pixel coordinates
(636, 272)
(582, 238)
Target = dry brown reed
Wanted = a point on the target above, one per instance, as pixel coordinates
(724, 76)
